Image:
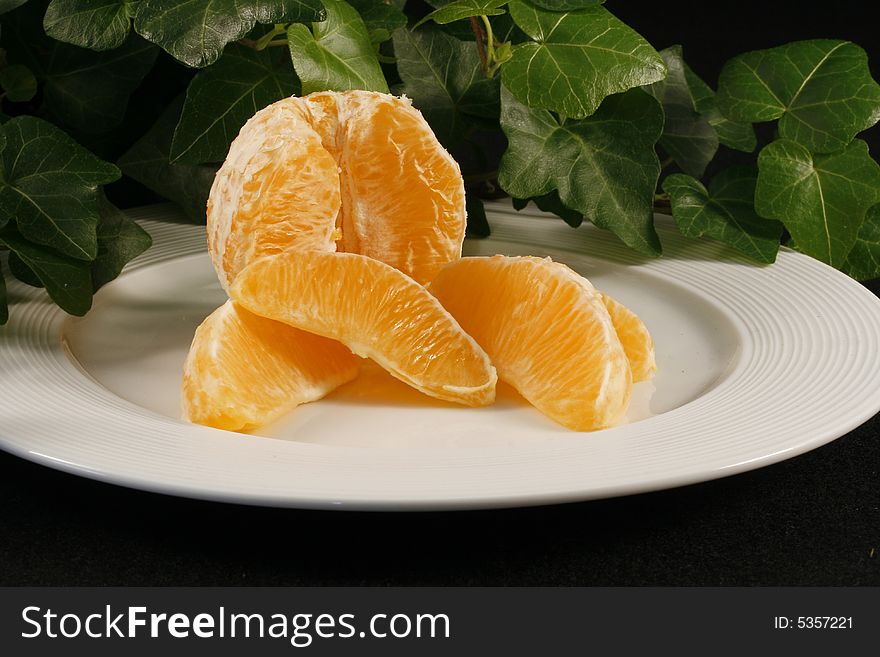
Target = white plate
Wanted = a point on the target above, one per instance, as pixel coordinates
(755, 365)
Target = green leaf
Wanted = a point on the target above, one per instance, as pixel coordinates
(477, 224)
(195, 31)
(66, 279)
(604, 166)
(50, 185)
(83, 90)
(821, 91)
(821, 199)
(94, 24)
(460, 9)
(687, 136)
(89, 91)
(221, 98)
(9, 5)
(22, 272)
(120, 240)
(551, 202)
(4, 304)
(576, 59)
(725, 212)
(739, 136)
(380, 18)
(565, 5)
(18, 82)
(147, 162)
(336, 54)
(863, 261)
(445, 80)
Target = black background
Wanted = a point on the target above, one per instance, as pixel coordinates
(812, 520)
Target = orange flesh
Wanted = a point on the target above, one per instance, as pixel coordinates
(634, 336)
(244, 371)
(548, 333)
(356, 171)
(376, 311)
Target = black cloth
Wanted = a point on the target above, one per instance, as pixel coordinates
(811, 520)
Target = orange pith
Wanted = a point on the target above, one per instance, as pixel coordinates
(244, 371)
(353, 171)
(634, 336)
(375, 310)
(548, 333)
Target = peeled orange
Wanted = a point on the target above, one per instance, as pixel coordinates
(378, 312)
(353, 171)
(634, 337)
(548, 333)
(244, 371)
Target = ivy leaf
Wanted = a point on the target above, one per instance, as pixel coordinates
(863, 261)
(576, 59)
(687, 136)
(120, 240)
(195, 32)
(18, 83)
(84, 90)
(821, 91)
(9, 5)
(49, 187)
(553, 204)
(94, 24)
(89, 91)
(66, 279)
(4, 304)
(445, 80)
(477, 224)
(381, 19)
(221, 98)
(739, 136)
(565, 5)
(821, 199)
(336, 54)
(460, 9)
(604, 166)
(147, 162)
(22, 272)
(725, 212)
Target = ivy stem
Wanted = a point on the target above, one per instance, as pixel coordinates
(662, 202)
(481, 48)
(667, 162)
(493, 63)
(266, 39)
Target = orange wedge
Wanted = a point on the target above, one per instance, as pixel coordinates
(244, 371)
(637, 342)
(548, 333)
(353, 171)
(378, 312)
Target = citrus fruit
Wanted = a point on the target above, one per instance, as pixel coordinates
(546, 330)
(377, 311)
(634, 336)
(353, 171)
(244, 371)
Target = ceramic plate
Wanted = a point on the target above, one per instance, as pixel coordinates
(755, 365)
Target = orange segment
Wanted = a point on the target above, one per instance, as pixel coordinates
(277, 187)
(353, 171)
(548, 333)
(244, 371)
(634, 336)
(375, 310)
